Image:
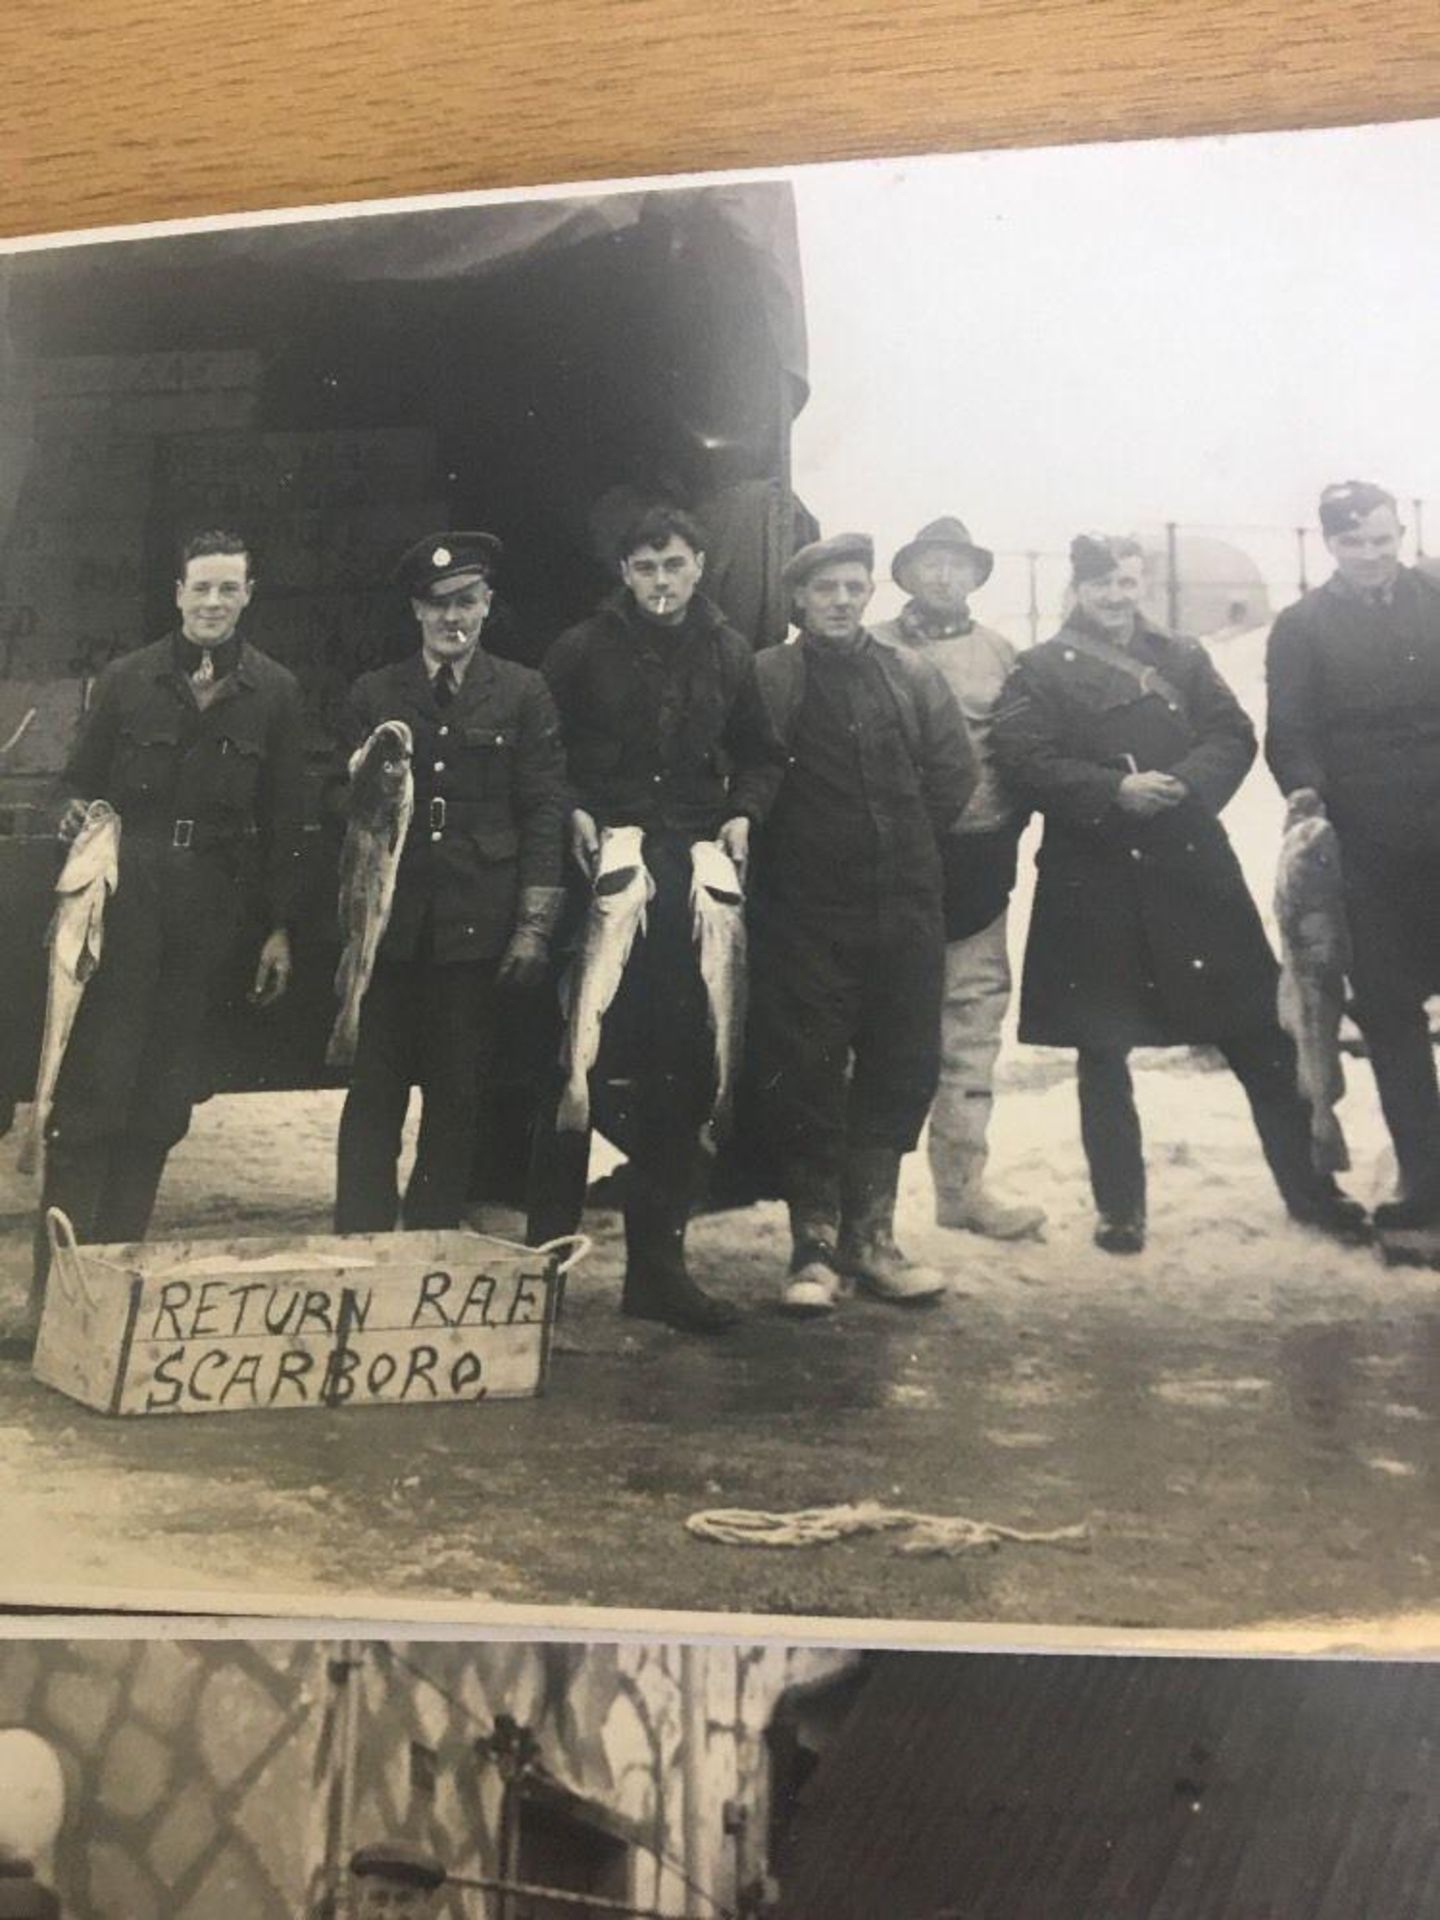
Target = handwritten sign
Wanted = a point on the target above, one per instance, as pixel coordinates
(397, 1319)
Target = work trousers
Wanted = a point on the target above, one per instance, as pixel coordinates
(1262, 1061)
(653, 1084)
(135, 1061)
(844, 1039)
(1393, 907)
(976, 996)
(428, 1025)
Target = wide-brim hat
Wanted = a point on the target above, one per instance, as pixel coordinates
(947, 531)
(445, 556)
(840, 547)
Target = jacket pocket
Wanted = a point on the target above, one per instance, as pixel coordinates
(488, 755)
(147, 762)
(232, 773)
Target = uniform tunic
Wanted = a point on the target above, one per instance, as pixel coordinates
(489, 807)
(1143, 932)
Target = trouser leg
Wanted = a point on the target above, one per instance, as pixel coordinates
(455, 1041)
(899, 983)
(1392, 908)
(367, 1198)
(1264, 1064)
(976, 995)
(804, 1005)
(672, 1075)
(132, 1185)
(1110, 1133)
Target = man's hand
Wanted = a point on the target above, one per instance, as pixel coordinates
(1150, 793)
(526, 959)
(72, 819)
(584, 842)
(272, 975)
(734, 840)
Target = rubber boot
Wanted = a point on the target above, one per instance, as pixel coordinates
(658, 1284)
(867, 1251)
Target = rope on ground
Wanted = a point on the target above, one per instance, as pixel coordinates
(930, 1533)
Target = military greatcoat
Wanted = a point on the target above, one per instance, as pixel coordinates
(1143, 931)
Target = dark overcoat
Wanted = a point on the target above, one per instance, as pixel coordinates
(1143, 931)
(490, 801)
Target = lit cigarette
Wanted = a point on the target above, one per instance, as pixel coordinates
(662, 598)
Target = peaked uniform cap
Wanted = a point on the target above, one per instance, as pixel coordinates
(439, 555)
(947, 531)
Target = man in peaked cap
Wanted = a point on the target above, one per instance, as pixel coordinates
(939, 569)
(393, 1877)
(849, 949)
(1353, 670)
(477, 892)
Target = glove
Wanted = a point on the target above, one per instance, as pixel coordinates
(528, 954)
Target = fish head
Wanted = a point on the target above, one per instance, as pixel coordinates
(1304, 804)
(381, 771)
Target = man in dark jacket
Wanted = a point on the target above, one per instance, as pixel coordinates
(665, 731)
(477, 893)
(1354, 715)
(1143, 933)
(196, 742)
(939, 569)
(849, 938)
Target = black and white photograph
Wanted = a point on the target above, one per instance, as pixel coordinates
(721, 898)
(273, 1778)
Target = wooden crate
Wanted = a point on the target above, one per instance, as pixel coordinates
(221, 1326)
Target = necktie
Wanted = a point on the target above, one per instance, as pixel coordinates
(204, 674)
(445, 685)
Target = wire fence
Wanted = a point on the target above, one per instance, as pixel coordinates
(1202, 580)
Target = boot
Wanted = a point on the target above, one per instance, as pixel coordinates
(658, 1284)
(1324, 1207)
(867, 1251)
(813, 1284)
(1116, 1233)
(972, 1208)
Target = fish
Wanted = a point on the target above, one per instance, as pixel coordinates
(381, 801)
(620, 894)
(76, 939)
(1314, 961)
(717, 917)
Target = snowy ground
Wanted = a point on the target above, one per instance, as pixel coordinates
(1244, 1416)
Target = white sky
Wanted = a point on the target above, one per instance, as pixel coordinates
(1205, 331)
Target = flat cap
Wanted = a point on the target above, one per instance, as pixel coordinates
(398, 1860)
(828, 553)
(1349, 502)
(947, 531)
(442, 556)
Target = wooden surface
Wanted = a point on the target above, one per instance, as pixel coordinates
(116, 110)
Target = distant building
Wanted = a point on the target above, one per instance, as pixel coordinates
(1220, 589)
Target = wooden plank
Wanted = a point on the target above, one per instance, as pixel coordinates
(328, 103)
